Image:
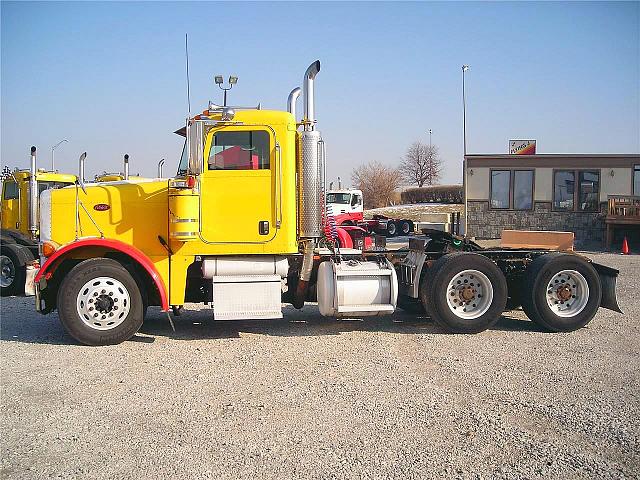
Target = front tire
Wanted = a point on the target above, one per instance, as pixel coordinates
(464, 292)
(12, 273)
(563, 292)
(100, 303)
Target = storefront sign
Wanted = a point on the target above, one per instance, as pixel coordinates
(522, 147)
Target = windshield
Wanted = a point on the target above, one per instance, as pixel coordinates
(342, 198)
(42, 186)
(184, 161)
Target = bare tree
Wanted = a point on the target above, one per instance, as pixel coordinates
(422, 164)
(377, 182)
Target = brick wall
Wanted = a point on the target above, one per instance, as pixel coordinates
(589, 228)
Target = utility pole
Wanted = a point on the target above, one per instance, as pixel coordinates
(464, 142)
(53, 154)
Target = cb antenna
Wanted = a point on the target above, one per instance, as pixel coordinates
(186, 52)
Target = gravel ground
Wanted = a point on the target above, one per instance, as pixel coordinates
(308, 397)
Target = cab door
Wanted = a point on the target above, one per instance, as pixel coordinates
(237, 184)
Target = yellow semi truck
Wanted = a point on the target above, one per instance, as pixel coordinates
(242, 227)
(21, 190)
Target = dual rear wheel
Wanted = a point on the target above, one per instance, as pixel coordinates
(467, 292)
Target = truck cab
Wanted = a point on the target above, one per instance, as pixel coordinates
(346, 206)
(18, 236)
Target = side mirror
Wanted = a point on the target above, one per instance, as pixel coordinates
(195, 141)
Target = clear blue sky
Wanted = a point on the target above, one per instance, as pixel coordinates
(110, 76)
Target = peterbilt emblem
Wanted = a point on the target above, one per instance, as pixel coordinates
(101, 207)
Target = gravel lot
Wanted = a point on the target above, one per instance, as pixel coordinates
(308, 397)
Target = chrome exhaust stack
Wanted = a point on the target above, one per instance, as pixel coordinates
(33, 196)
(126, 166)
(81, 169)
(309, 119)
(310, 164)
(160, 164)
(292, 100)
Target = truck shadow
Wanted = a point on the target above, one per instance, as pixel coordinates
(198, 325)
(193, 325)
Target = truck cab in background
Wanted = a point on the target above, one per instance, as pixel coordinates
(19, 234)
(346, 206)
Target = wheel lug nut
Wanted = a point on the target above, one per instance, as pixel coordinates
(115, 299)
(90, 309)
(95, 294)
(111, 294)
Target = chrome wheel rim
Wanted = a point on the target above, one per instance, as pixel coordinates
(567, 293)
(469, 294)
(7, 271)
(103, 303)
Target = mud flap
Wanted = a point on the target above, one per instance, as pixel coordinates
(608, 277)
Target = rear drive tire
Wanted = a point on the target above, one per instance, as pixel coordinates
(392, 229)
(405, 227)
(464, 292)
(12, 273)
(563, 292)
(99, 303)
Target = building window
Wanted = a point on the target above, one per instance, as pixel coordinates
(636, 180)
(500, 186)
(585, 198)
(239, 151)
(511, 189)
(589, 191)
(523, 189)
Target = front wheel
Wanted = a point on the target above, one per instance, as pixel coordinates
(564, 292)
(12, 273)
(99, 303)
(464, 292)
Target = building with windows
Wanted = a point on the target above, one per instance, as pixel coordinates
(595, 196)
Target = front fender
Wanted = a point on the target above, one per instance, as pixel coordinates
(132, 252)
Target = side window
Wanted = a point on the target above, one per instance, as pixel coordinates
(500, 183)
(563, 188)
(240, 151)
(636, 180)
(10, 190)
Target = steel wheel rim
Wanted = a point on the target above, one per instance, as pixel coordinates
(567, 293)
(103, 303)
(405, 228)
(469, 294)
(7, 271)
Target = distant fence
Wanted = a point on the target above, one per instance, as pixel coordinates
(433, 194)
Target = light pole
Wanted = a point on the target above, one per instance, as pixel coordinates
(53, 154)
(219, 81)
(464, 142)
(430, 132)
